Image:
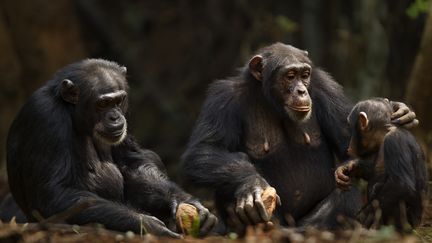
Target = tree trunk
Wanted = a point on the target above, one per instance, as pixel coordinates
(419, 89)
(36, 38)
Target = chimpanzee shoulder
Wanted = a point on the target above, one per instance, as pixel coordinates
(49, 123)
(332, 107)
(328, 95)
(221, 113)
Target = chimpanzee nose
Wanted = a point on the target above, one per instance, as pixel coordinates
(301, 91)
(113, 116)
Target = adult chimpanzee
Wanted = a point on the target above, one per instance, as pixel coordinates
(280, 123)
(392, 162)
(69, 145)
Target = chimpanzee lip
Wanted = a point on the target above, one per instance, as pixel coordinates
(304, 108)
(112, 135)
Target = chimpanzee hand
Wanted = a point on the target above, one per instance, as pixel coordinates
(250, 208)
(403, 116)
(153, 225)
(342, 174)
(207, 220)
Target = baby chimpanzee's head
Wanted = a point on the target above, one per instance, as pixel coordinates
(370, 121)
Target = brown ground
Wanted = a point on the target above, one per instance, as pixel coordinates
(12, 232)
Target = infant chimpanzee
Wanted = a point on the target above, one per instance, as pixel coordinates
(392, 162)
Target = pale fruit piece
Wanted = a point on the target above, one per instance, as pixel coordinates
(186, 215)
(269, 199)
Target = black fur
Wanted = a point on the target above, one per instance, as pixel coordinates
(401, 186)
(54, 162)
(226, 151)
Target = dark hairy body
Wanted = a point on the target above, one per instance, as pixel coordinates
(69, 145)
(280, 123)
(391, 161)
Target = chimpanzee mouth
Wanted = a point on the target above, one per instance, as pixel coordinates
(112, 137)
(299, 113)
(305, 108)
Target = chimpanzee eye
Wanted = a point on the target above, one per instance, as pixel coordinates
(305, 75)
(102, 104)
(121, 100)
(290, 76)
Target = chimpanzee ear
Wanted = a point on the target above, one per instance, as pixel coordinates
(69, 91)
(124, 70)
(256, 66)
(363, 121)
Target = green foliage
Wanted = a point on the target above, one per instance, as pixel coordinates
(232, 236)
(286, 24)
(385, 233)
(418, 7)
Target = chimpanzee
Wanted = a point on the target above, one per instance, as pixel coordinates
(69, 145)
(392, 162)
(281, 123)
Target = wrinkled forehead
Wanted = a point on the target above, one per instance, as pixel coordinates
(285, 55)
(107, 81)
(294, 56)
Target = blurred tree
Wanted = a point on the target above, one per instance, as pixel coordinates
(420, 85)
(174, 49)
(36, 38)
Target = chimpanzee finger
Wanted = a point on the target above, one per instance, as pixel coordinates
(401, 111)
(412, 124)
(251, 210)
(241, 212)
(268, 225)
(342, 184)
(208, 224)
(259, 205)
(407, 118)
(155, 226)
(202, 211)
(339, 174)
(203, 214)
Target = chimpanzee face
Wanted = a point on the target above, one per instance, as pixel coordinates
(290, 90)
(369, 121)
(110, 126)
(100, 104)
(285, 72)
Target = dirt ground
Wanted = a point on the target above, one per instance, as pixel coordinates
(13, 232)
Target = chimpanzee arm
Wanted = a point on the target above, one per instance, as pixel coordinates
(146, 184)
(112, 215)
(148, 188)
(332, 109)
(212, 157)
